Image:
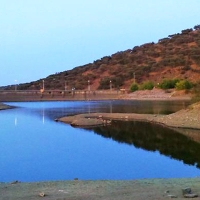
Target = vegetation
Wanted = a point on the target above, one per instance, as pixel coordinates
(163, 139)
(183, 85)
(134, 87)
(174, 57)
(104, 83)
(148, 85)
(168, 83)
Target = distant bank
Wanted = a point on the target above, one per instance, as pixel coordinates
(57, 95)
(85, 95)
(3, 106)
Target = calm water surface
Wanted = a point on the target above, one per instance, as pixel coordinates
(33, 147)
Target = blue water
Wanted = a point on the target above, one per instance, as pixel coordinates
(33, 147)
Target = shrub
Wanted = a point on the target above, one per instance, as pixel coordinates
(149, 85)
(117, 81)
(183, 85)
(168, 83)
(186, 31)
(186, 68)
(104, 83)
(197, 27)
(134, 87)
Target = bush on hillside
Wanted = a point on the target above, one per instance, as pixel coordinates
(134, 87)
(148, 85)
(197, 27)
(104, 83)
(168, 83)
(183, 85)
(117, 82)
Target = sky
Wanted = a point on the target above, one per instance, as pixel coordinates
(43, 37)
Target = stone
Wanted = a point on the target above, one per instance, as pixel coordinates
(186, 191)
(191, 195)
(14, 182)
(42, 194)
(172, 196)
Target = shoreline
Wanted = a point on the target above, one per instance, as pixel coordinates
(59, 95)
(187, 118)
(98, 97)
(5, 107)
(150, 189)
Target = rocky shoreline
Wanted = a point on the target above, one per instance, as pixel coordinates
(150, 189)
(4, 106)
(187, 118)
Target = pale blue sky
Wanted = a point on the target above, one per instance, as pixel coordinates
(42, 37)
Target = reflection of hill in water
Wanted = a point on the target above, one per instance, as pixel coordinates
(194, 134)
(153, 137)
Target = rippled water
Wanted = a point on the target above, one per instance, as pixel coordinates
(33, 147)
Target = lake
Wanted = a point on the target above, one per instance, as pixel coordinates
(33, 147)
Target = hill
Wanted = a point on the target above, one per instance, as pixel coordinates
(176, 56)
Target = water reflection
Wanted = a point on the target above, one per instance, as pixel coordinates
(15, 121)
(154, 137)
(191, 133)
(111, 109)
(15, 118)
(43, 115)
(116, 106)
(41, 149)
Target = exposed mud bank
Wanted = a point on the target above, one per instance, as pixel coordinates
(188, 118)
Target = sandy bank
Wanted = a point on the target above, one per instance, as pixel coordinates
(4, 106)
(187, 118)
(150, 189)
(157, 94)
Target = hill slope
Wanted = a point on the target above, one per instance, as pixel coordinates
(176, 56)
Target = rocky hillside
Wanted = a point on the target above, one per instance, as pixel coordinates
(176, 56)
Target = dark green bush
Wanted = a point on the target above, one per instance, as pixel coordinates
(148, 85)
(183, 85)
(134, 87)
(168, 83)
(197, 27)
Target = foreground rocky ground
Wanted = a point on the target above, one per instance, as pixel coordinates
(154, 189)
